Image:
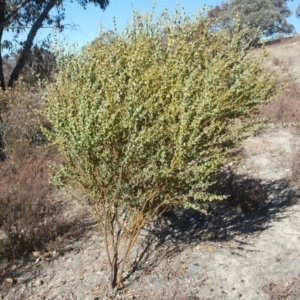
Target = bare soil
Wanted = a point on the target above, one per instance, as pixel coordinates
(246, 248)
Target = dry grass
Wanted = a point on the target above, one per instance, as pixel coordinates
(286, 109)
(31, 217)
(20, 118)
(284, 60)
(284, 290)
(28, 217)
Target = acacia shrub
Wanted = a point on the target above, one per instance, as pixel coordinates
(146, 120)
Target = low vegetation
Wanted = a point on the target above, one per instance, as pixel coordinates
(32, 217)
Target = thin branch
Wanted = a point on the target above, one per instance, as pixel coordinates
(69, 26)
(141, 221)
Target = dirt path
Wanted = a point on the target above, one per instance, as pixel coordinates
(236, 253)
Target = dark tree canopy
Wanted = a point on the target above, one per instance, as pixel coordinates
(268, 18)
(18, 15)
(298, 11)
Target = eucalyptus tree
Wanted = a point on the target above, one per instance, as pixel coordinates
(17, 16)
(298, 11)
(264, 18)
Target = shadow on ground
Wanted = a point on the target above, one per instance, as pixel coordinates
(250, 207)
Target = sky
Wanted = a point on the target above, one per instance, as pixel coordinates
(88, 21)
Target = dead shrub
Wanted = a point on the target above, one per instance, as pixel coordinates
(285, 108)
(20, 117)
(276, 61)
(283, 60)
(29, 217)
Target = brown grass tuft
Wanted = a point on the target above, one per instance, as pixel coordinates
(285, 108)
(31, 216)
(28, 216)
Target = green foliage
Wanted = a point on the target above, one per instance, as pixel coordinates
(267, 17)
(147, 119)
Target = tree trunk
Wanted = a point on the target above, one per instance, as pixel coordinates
(29, 42)
(2, 19)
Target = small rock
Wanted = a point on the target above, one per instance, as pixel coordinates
(211, 249)
(9, 280)
(47, 254)
(39, 282)
(36, 253)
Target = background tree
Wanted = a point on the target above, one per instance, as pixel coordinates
(215, 11)
(18, 15)
(268, 18)
(298, 11)
(40, 64)
(143, 125)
